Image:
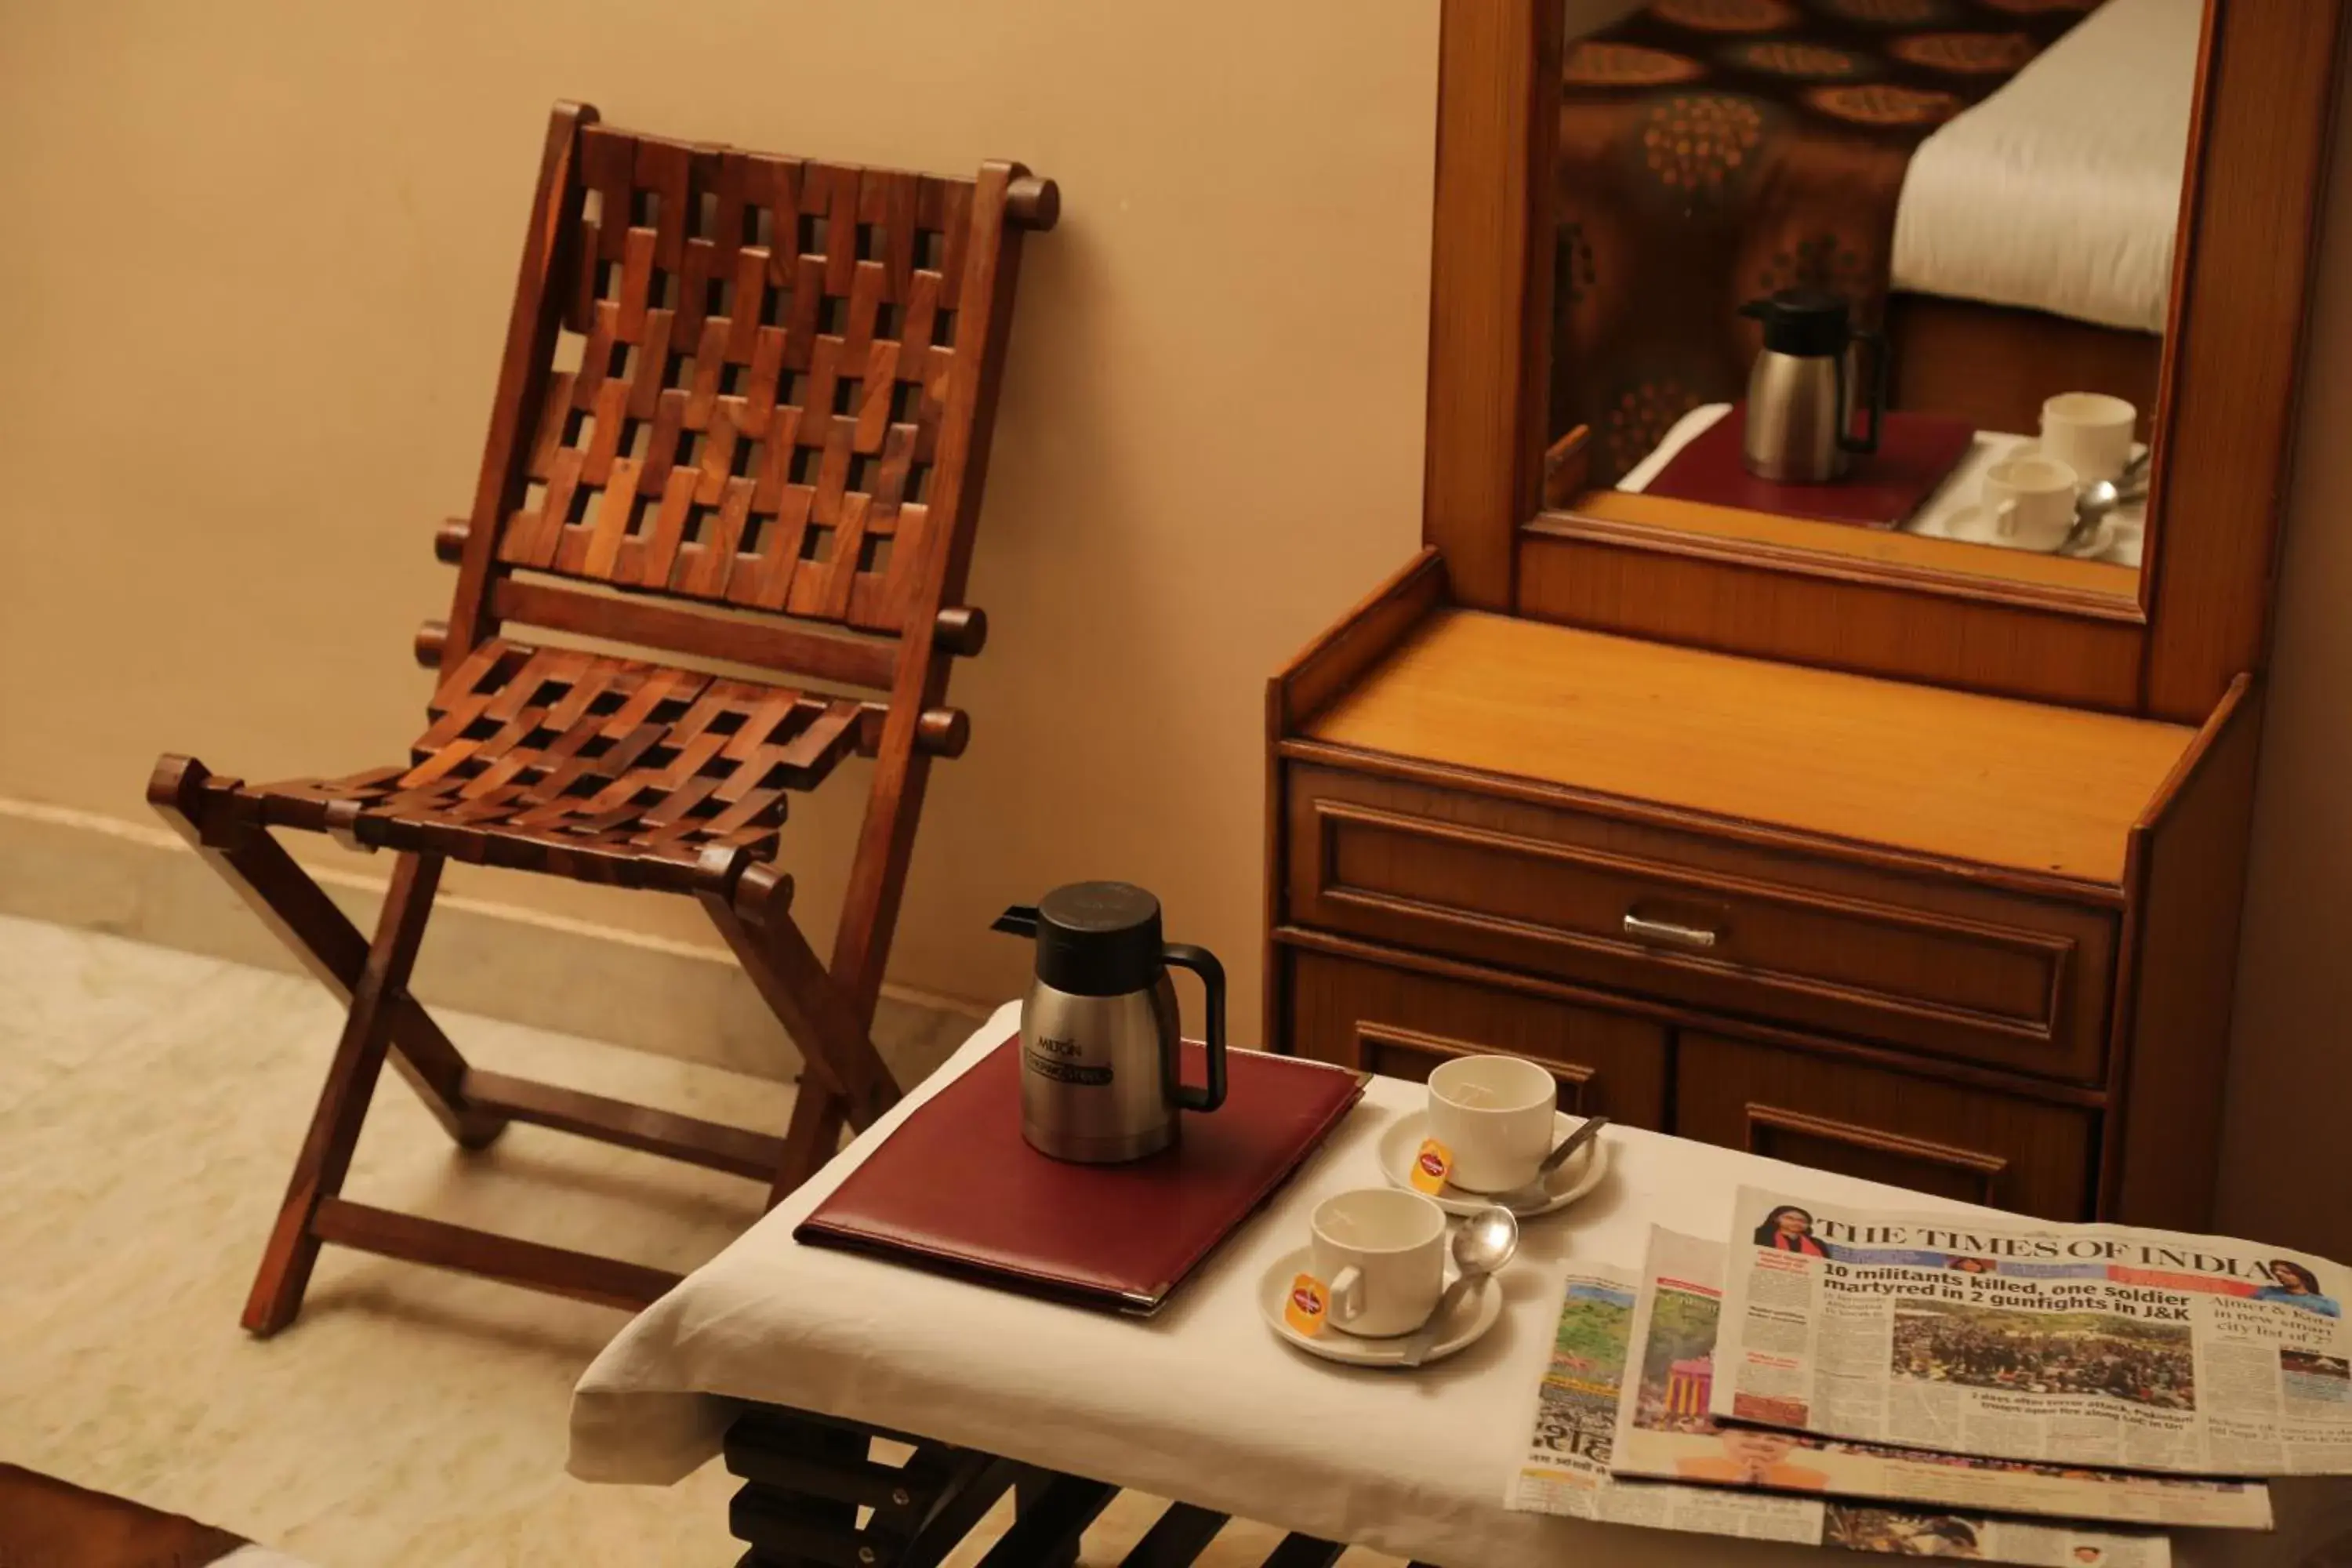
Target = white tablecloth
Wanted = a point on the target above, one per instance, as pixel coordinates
(1201, 1403)
(1950, 511)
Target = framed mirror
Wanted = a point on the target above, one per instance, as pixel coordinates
(1900, 264)
(1953, 340)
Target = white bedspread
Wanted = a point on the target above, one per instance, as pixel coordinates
(1201, 1403)
(2061, 192)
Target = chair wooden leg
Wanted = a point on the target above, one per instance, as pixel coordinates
(811, 1139)
(815, 1011)
(843, 1079)
(292, 905)
(326, 1156)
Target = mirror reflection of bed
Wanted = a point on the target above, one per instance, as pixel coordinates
(1992, 186)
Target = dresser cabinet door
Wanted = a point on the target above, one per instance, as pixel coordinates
(1402, 1024)
(1971, 1145)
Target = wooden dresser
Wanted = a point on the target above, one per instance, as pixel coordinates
(1909, 857)
(1640, 863)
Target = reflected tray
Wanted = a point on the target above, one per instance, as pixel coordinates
(1916, 452)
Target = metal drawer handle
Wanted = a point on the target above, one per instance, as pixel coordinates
(1668, 931)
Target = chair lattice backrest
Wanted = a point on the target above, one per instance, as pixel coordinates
(742, 380)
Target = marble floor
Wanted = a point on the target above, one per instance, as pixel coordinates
(151, 1102)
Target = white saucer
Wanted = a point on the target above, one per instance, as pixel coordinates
(1970, 524)
(1465, 1321)
(2101, 540)
(2031, 447)
(1572, 1180)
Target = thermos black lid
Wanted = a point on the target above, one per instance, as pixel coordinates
(1808, 322)
(1099, 939)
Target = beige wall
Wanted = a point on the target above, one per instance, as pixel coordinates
(254, 288)
(2291, 1080)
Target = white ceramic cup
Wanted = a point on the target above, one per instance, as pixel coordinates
(1494, 1114)
(1382, 1251)
(2030, 501)
(2090, 432)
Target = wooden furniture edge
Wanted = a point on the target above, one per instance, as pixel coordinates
(2176, 972)
(1974, 1164)
(2231, 388)
(1861, 852)
(1333, 659)
(532, 325)
(2208, 732)
(1948, 568)
(999, 223)
(1343, 651)
(1608, 579)
(2185, 235)
(1567, 469)
(1677, 1016)
(1496, 60)
(642, 621)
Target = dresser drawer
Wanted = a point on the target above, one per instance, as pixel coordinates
(1930, 962)
(1394, 1022)
(1998, 1150)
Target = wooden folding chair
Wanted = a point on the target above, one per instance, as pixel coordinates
(743, 417)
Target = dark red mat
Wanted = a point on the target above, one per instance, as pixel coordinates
(49, 1523)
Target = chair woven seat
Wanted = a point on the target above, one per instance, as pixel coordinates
(598, 768)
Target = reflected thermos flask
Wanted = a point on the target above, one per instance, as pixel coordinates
(1801, 401)
(1100, 1035)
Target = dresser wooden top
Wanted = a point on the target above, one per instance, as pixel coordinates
(1950, 773)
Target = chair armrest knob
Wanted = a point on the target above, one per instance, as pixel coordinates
(1032, 202)
(943, 732)
(432, 638)
(959, 629)
(449, 539)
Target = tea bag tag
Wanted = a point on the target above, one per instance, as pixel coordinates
(1431, 1164)
(1308, 1305)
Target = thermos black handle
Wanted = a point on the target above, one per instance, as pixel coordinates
(1021, 919)
(1202, 963)
(1868, 442)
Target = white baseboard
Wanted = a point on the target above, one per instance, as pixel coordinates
(132, 880)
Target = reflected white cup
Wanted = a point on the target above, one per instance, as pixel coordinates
(1381, 1252)
(1494, 1114)
(2030, 501)
(2090, 432)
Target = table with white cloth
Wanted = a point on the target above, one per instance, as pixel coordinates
(1201, 1403)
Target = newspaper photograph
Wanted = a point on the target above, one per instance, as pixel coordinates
(2011, 1338)
(1566, 1469)
(1663, 1431)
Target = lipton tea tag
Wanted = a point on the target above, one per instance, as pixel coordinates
(1431, 1164)
(1307, 1304)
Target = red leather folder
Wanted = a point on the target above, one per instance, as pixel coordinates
(1916, 453)
(956, 1189)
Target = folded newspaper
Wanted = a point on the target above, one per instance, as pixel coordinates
(1663, 1430)
(2011, 1338)
(1566, 1470)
